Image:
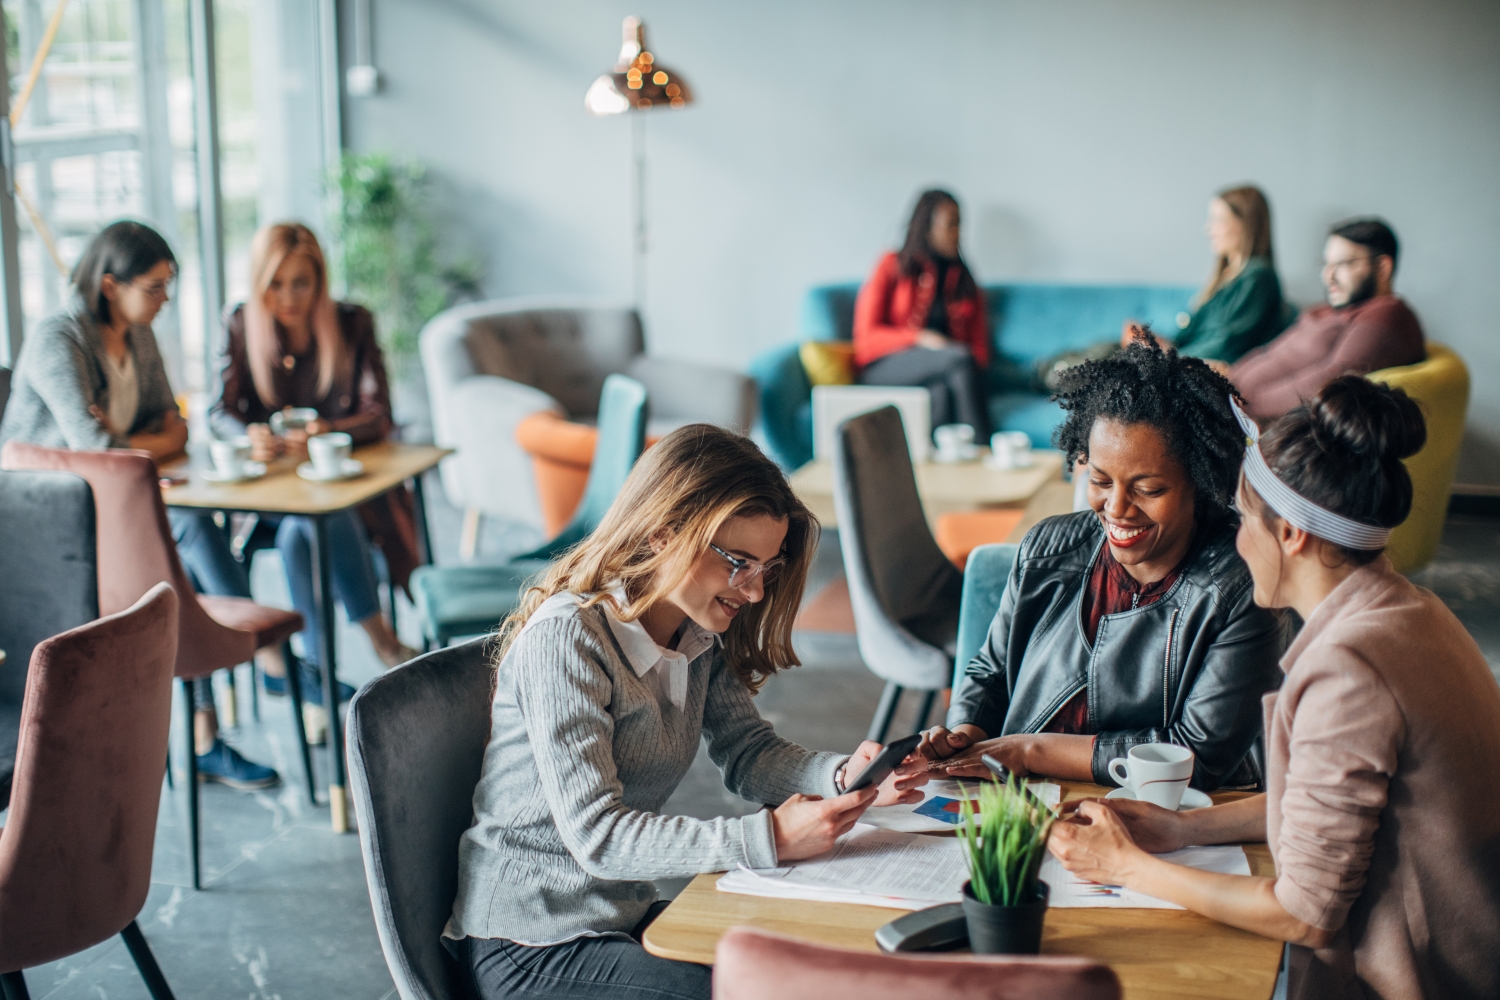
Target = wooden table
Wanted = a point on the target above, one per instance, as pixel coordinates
(1156, 953)
(282, 491)
(945, 489)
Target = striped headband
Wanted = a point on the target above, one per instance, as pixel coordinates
(1294, 507)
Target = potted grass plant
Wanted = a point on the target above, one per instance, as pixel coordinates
(1004, 901)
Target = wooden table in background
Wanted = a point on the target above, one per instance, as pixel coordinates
(1156, 953)
(282, 491)
(945, 489)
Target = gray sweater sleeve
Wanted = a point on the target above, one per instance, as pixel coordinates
(563, 692)
(58, 372)
(756, 763)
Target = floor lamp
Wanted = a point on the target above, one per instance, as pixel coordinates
(638, 83)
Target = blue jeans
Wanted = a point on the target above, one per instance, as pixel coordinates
(349, 563)
(211, 568)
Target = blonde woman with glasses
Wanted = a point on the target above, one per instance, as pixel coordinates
(653, 633)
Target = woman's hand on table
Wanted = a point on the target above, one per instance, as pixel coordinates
(1153, 829)
(807, 825)
(296, 439)
(900, 788)
(1094, 843)
(264, 446)
(955, 753)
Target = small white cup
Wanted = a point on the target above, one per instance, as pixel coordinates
(1155, 772)
(955, 442)
(328, 453)
(1011, 449)
(230, 456)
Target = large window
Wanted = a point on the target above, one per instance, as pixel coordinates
(110, 130)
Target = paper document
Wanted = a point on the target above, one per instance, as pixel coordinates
(870, 866)
(1070, 890)
(938, 810)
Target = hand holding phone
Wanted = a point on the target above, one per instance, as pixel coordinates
(885, 762)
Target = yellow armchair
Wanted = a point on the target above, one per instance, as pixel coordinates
(1441, 386)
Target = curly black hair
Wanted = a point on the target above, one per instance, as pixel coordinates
(1180, 396)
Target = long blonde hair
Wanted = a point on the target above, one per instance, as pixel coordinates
(683, 490)
(1249, 205)
(271, 247)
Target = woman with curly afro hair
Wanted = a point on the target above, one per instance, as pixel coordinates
(1134, 621)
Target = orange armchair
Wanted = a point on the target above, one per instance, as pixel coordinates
(561, 454)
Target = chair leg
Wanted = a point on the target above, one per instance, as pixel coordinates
(170, 783)
(881, 724)
(294, 687)
(14, 986)
(254, 690)
(156, 983)
(191, 754)
(231, 702)
(468, 542)
(927, 700)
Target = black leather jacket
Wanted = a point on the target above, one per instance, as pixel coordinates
(1188, 669)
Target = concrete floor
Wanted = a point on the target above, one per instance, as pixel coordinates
(284, 912)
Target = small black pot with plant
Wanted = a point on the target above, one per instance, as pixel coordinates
(1004, 902)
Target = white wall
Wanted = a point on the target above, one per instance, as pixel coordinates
(1084, 138)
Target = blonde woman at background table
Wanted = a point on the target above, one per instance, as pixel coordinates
(1382, 807)
(290, 344)
(654, 632)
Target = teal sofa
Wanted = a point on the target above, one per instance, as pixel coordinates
(1028, 322)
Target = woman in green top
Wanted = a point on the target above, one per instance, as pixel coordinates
(1240, 307)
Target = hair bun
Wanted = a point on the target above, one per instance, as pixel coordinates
(1368, 418)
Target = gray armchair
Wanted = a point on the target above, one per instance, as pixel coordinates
(904, 591)
(491, 364)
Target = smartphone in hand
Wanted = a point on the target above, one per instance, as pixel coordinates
(884, 763)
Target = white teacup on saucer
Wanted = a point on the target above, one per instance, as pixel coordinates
(1191, 798)
(1155, 772)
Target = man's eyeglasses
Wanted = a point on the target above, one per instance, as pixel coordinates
(1332, 266)
(742, 572)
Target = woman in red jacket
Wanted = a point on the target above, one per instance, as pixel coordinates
(921, 319)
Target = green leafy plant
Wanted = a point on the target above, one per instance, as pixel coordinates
(1005, 843)
(388, 251)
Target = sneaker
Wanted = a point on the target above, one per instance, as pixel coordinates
(224, 764)
(312, 685)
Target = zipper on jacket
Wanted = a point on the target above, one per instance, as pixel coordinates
(1166, 671)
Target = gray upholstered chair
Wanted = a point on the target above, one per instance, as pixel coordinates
(491, 364)
(904, 591)
(49, 581)
(416, 747)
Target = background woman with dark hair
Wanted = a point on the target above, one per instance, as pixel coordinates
(921, 319)
(1132, 622)
(1383, 744)
(91, 377)
(1240, 308)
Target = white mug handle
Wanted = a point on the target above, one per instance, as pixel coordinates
(1122, 775)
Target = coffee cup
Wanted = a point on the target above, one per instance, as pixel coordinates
(1155, 772)
(230, 456)
(955, 442)
(328, 453)
(1010, 449)
(292, 418)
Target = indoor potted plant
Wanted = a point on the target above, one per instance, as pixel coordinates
(1004, 901)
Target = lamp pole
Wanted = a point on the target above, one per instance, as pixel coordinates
(638, 153)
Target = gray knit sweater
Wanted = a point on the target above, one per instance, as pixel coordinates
(582, 754)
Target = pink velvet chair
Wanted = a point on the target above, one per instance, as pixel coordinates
(754, 965)
(75, 854)
(136, 552)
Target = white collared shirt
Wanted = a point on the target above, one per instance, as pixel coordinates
(667, 668)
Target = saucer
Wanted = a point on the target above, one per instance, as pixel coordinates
(248, 471)
(1191, 799)
(965, 454)
(1017, 463)
(352, 467)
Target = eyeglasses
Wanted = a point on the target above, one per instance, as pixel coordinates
(1333, 266)
(156, 289)
(742, 572)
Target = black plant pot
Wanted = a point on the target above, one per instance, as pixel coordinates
(1006, 930)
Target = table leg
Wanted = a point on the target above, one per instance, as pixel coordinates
(424, 540)
(322, 582)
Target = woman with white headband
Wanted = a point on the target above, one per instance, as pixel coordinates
(1383, 743)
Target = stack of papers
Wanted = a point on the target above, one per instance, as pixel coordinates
(907, 871)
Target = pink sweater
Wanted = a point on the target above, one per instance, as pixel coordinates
(1383, 796)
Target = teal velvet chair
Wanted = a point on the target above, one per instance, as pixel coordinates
(985, 576)
(1028, 322)
(456, 601)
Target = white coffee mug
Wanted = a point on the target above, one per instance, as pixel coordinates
(955, 442)
(329, 452)
(1011, 449)
(230, 456)
(1155, 772)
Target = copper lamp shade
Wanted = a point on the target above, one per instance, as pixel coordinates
(638, 82)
